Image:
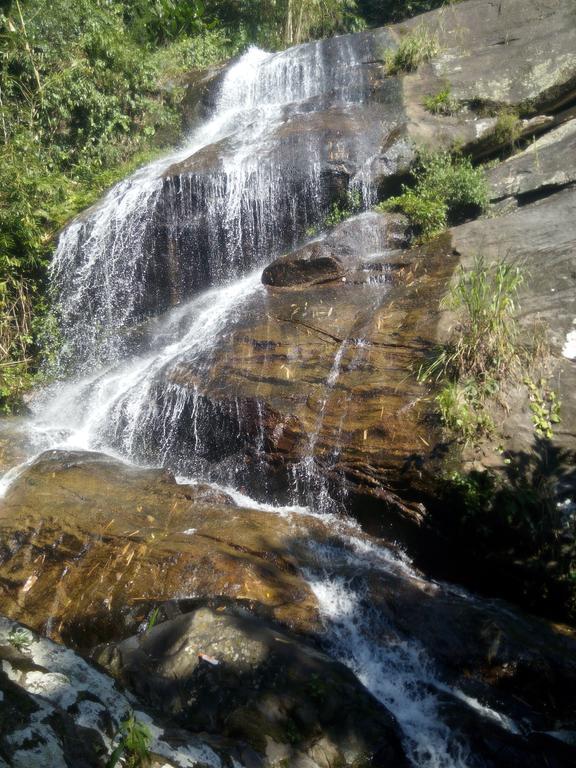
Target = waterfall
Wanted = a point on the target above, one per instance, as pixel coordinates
(151, 277)
(230, 199)
(148, 280)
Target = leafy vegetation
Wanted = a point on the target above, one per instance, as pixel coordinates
(88, 92)
(485, 350)
(340, 210)
(513, 520)
(135, 739)
(20, 638)
(378, 12)
(485, 354)
(508, 128)
(487, 298)
(447, 188)
(414, 49)
(544, 406)
(441, 103)
(461, 408)
(84, 98)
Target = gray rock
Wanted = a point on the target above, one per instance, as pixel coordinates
(545, 166)
(59, 711)
(234, 675)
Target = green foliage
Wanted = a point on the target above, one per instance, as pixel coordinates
(414, 49)
(152, 621)
(544, 405)
(85, 96)
(441, 103)
(377, 12)
(513, 518)
(461, 407)
(508, 128)
(485, 350)
(344, 209)
(447, 188)
(135, 739)
(487, 299)
(340, 210)
(276, 24)
(20, 638)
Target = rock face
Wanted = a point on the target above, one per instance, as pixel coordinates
(545, 166)
(59, 711)
(90, 546)
(328, 369)
(515, 53)
(233, 675)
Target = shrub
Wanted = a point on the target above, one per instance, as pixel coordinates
(447, 188)
(508, 128)
(414, 49)
(484, 352)
(135, 739)
(487, 298)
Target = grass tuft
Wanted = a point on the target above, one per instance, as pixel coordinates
(414, 49)
(441, 103)
(485, 351)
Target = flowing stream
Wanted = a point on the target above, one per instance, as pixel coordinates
(178, 255)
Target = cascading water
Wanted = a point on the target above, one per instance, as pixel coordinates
(232, 198)
(244, 187)
(183, 241)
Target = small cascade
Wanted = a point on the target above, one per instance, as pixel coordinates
(397, 671)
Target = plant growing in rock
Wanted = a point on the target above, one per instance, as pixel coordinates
(135, 739)
(441, 103)
(508, 128)
(447, 189)
(414, 49)
(484, 351)
(544, 406)
(339, 211)
(461, 409)
(20, 638)
(487, 298)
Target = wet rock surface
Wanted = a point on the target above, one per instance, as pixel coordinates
(90, 546)
(332, 365)
(272, 694)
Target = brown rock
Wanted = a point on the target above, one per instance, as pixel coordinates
(90, 546)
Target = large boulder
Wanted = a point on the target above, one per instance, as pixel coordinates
(235, 676)
(60, 711)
